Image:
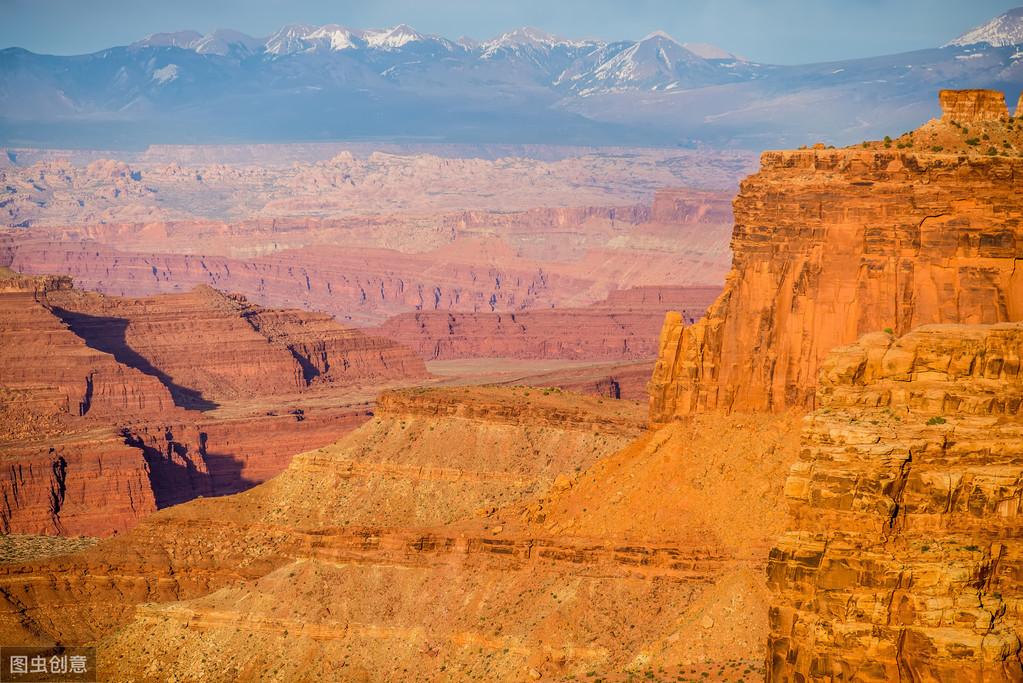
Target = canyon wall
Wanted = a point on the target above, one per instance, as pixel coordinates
(363, 286)
(466, 261)
(112, 408)
(903, 558)
(206, 346)
(831, 244)
(624, 326)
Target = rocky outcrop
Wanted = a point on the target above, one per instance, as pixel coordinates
(903, 556)
(94, 430)
(207, 347)
(623, 327)
(84, 382)
(90, 484)
(328, 353)
(970, 106)
(427, 457)
(832, 244)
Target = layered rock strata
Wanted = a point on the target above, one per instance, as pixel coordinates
(94, 434)
(831, 244)
(427, 457)
(623, 327)
(207, 346)
(903, 556)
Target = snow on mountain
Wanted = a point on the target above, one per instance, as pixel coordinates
(336, 37)
(531, 37)
(289, 39)
(657, 61)
(182, 39)
(222, 41)
(1002, 31)
(393, 38)
(166, 74)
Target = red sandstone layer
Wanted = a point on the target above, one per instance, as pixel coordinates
(94, 434)
(623, 327)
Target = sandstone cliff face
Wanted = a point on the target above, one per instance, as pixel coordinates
(206, 346)
(427, 457)
(903, 558)
(488, 534)
(328, 353)
(831, 244)
(94, 434)
(973, 105)
(87, 382)
(622, 327)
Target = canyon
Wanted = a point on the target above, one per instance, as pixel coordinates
(623, 326)
(364, 269)
(114, 407)
(824, 483)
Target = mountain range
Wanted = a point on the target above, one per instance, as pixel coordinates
(334, 82)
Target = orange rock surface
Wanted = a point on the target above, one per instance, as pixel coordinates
(903, 556)
(831, 244)
(966, 106)
(500, 495)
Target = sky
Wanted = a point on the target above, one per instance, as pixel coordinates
(773, 31)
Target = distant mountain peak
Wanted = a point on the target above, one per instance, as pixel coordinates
(289, 38)
(339, 37)
(182, 39)
(528, 35)
(395, 37)
(221, 42)
(658, 35)
(1003, 31)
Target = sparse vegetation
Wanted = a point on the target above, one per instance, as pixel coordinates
(936, 420)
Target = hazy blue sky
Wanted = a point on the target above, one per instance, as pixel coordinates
(779, 31)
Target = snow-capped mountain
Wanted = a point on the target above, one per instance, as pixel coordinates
(297, 38)
(289, 39)
(657, 63)
(224, 41)
(531, 37)
(1002, 31)
(185, 40)
(526, 85)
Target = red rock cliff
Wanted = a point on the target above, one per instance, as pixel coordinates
(831, 244)
(94, 430)
(903, 556)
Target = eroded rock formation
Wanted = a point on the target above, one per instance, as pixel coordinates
(624, 326)
(903, 556)
(98, 426)
(965, 106)
(831, 244)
